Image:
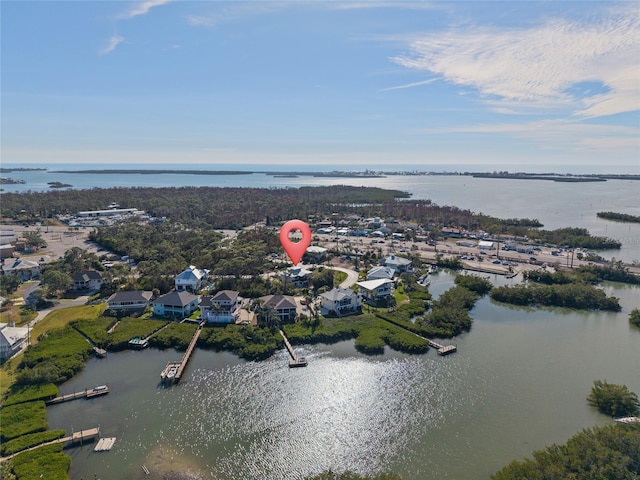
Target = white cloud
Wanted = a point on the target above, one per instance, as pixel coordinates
(142, 8)
(522, 68)
(113, 42)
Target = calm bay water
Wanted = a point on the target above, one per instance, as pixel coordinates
(517, 383)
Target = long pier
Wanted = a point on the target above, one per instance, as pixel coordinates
(187, 354)
(174, 370)
(88, 393)
(295, 360)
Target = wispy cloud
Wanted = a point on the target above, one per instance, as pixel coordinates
(112, 43)
(142, 8)
(518, 69)
(410, 85)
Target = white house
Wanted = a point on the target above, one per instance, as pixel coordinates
(377, 273)
(297, 276)
(11, 340)
(25, 269)
(223, 307)
(129, 300)
(485, 245)
(372, 291)
(399, 264)
(87, 280)
(191, 278)
(339, 301)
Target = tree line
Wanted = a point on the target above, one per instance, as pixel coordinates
(234, 208)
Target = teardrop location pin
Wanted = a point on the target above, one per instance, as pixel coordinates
(295, 250)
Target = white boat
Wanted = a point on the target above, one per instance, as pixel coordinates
(628, 420)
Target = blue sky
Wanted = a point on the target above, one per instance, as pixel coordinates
(369, 83)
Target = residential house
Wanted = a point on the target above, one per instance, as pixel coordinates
(314, 254)
(381, 272)
(297, 276)
(25, 269)
(131, 300)
(374, 291)
(284, 306)
(399, 264)
(11, 340)
(175, 304)
(87, 280)
(339, 301)
(223, 307)
(191, 278)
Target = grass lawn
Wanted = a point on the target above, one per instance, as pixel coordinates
(61, 317)
(7, 375)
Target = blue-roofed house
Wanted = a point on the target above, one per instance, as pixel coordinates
(191, 279)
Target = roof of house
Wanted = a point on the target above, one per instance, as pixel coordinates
(279, 302)
(337, 294)
(20, 264)
(191, 273)
(130, 296)
(317, 250)
(393, 260)
(175, 299)
(381, 272)
(374, 284)
(297, 272)
(221, 296)
(9, 336)
(87, 275)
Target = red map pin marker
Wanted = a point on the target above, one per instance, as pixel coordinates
(293, 249)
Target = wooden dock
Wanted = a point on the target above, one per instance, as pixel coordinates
(173, 371)
(187, 354)
(295, 360)
(443, 349)
(88, 393)
(81, 436)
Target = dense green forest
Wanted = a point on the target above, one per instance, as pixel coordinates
(611, 452)
(216, 207)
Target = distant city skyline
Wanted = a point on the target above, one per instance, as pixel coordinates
(372, 83)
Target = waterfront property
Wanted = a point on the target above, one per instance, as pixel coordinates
(376, 273)
(399, 264)
(374, 291)
(192, 279)
(175, 304)
(339, 301)
(11, 340)
(131, 300)
(284, 306)
(223, 307)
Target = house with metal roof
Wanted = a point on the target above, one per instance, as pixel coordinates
(191, 278)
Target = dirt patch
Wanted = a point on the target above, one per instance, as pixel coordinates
(164, 463)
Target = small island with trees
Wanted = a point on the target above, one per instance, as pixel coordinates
(619, 217)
